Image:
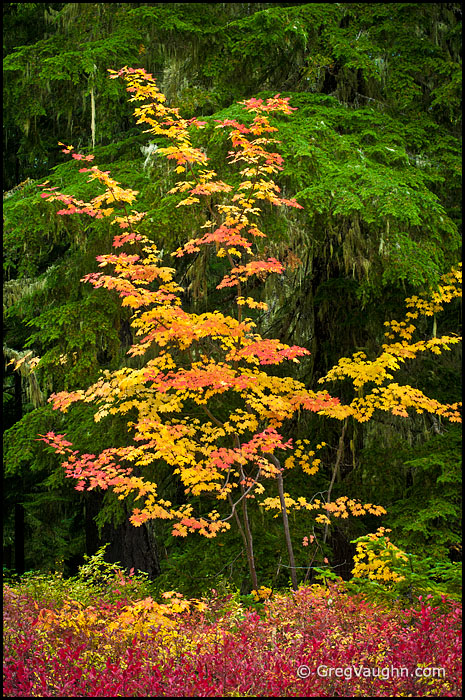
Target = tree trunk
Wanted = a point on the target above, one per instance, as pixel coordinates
(132, 547)
(246, 531)
(19, 538)
(92, 505)
(250, 553)
(287, 532)
(248, 544)
(19, 509)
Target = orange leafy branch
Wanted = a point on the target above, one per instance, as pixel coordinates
(113, 195)
(256, 267)
(231, 234)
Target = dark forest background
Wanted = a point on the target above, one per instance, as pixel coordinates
(374, 156)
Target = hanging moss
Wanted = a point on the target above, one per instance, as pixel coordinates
(26, 369)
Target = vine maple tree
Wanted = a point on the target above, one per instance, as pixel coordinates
(212, 360)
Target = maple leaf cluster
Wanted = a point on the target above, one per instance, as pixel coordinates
(113, 194)
(390, 396)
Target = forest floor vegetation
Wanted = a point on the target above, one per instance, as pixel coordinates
(81, 638)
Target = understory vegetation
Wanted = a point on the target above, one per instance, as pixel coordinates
(232, 444)
(103, 634)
